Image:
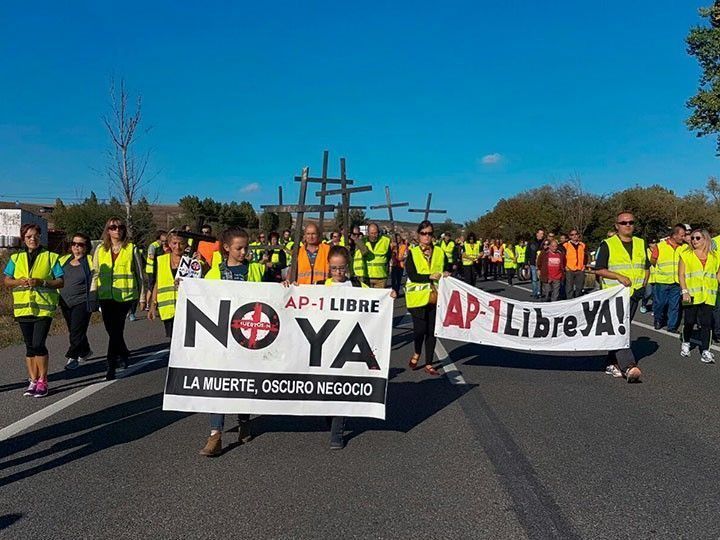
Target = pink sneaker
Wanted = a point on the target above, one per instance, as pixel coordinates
(41, 389)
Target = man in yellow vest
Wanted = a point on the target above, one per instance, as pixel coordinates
(664, 256)
(378, 257)
(622, 261)
(358, 252)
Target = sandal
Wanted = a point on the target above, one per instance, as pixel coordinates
(431, 370)
(414, 361)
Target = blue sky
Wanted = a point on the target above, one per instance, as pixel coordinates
(415, 95)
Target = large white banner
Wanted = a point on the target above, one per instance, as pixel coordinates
(598, 321)
(261, 348)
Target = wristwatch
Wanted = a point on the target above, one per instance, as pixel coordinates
(684, 291)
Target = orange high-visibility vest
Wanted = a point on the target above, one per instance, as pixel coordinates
(574, 257)
(309, 275)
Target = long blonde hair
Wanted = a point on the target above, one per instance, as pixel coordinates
(708, 239)
(106, 242)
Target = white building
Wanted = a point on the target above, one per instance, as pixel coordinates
(10, 222)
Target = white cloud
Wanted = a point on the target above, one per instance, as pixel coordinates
(491, 159)
(250, 188)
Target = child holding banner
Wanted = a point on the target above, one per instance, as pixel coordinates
(234, 267)
(339, 264)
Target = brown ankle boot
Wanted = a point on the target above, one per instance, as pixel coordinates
(213, 447)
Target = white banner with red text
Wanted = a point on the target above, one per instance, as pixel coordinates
(261, 348)
(599, 321)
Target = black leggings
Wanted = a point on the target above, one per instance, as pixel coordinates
(469, 274)
(113, 314)
(78, 320)
(424, 330)
(700, 314)
(35, 333)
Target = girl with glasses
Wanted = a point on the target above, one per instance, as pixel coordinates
(77, 302)
(699, 271)
(118, 280)
(35, 275)
(425, 266)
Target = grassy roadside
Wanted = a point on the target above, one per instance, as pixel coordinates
(9, 330)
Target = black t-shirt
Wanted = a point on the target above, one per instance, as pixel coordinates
(603, 255)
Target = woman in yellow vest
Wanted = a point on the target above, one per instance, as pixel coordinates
(424, 266)
(276, 260)
(234, 266)
(470, 255)
(77, 302)
(699, 271)
(118, 280)
(164, 294)
(35, 275)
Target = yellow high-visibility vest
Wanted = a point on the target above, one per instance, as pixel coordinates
(471, 250)
(449, 250)
(509, 256)
(167, 294)
(377, 258)
(666, 267)
(116, 280)
(418, 294)
(149, 266)
(619, 261)
(35, 301)
(701, 282)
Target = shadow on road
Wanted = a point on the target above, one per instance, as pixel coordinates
(91, 433)
(88, 373)
(8, 519)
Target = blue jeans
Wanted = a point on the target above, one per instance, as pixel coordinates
(716, 318)
(535, 280)
(217, 421)
(667, 296)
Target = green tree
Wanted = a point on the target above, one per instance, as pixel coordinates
(703, 42)
(447, 226)
(269, 222)
(285, 221)
(357, 217)
(88, 216)
(144, 224)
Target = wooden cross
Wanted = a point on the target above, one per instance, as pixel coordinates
(323, 181)
(389, 205)
(345, 192)
(427, 211)
(299, 210)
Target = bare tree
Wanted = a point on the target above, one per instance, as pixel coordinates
(126, 169)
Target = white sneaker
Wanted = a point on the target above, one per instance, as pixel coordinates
(643, 309)
(613, 370)
(685, 349)
(707, 357)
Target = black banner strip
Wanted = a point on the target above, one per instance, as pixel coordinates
(274, 386)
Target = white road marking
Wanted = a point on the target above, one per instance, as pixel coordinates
(36, 417)
(448, 366)
(636, 323)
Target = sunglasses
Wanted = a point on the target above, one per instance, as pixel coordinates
(426, 233)
(626, 223)
(116, 227)
(78, 244)
(697, 238)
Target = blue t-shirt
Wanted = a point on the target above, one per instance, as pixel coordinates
(239, 273)
(10, 269)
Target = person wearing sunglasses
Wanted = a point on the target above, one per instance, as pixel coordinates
(118, 280)
(424, 266)
(622, 261)
(77, 301)
(698, 273)
(35, 275)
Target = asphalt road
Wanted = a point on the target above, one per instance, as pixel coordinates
(515, 445)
